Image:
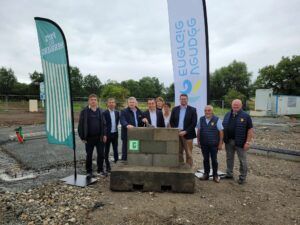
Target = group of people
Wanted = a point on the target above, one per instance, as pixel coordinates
(98, 128)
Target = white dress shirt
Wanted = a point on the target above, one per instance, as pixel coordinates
(153, 118)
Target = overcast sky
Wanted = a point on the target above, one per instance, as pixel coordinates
(128, 39)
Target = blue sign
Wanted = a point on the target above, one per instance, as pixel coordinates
(42, 91)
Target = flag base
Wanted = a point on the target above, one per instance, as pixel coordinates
(80, 181)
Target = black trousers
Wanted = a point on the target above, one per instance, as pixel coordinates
(112, 139)
(210, 152)
(124, 149)
(89, 148)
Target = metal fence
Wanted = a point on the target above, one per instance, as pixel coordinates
(21, 103)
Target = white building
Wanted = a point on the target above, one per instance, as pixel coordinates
(267, 104)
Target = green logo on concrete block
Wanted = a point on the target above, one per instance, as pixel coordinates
(134, 145)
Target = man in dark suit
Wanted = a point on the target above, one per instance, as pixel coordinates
(153, 116)
(130, 117)
(112, 118)
(92, 132)
(184, 117)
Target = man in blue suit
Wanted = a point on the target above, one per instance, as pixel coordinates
(153, 116)
(184, 117)
(112, 118)
(130, 117)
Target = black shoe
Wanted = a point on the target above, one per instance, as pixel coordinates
(102, 174)
(229, 177)
(89, 176)
(108, 170)
(241, 181)
(204, 177)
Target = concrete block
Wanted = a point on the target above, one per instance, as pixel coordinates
(153, 147)
(140, 159)
(140, 133)
(172, 147)
(33, 105)
(134, 178)
(167, 160)
(166, 134)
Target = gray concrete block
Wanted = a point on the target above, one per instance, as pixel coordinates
(158, 179)
(172, 147)
(140, 159)
(151, 147)
(167, 160)
(140, 133)
(166, 134)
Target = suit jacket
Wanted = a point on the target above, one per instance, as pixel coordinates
(127, 118)
(83, 124)
(190, 120)
(160, 118)
(108, 121)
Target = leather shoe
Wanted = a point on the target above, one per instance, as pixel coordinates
(241, 181)
(217, 179)
(228, 177)
(204, 177)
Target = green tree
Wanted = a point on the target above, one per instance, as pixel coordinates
(113, 90)
(36, 77)
(150, 87)
(234, 76)
(91, 84)
(133, 87)
(170, 93)
(20, 89)
(7, 81)
(76, 82)
(233, 94)
(283, 78)
(34, 87)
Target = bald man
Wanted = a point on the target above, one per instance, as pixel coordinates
(210, 139)
(238, 132)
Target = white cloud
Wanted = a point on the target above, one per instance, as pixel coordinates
(121, 40)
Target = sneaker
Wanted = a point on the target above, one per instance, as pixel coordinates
(204, 177)
(216, 179)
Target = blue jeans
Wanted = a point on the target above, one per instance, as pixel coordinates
(210, 152)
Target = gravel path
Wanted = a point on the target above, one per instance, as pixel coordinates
(271, 196)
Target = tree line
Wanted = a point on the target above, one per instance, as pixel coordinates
(226, 83)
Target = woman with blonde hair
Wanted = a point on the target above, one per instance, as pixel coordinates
(160, 103)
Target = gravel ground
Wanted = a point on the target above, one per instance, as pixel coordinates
(271, 196)
(283, 137)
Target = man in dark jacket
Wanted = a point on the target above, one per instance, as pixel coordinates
(92, 131)
(112, 119)
(210, 139)
(184, 117)
(130, 117)
(238, 132)
(153, 116)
